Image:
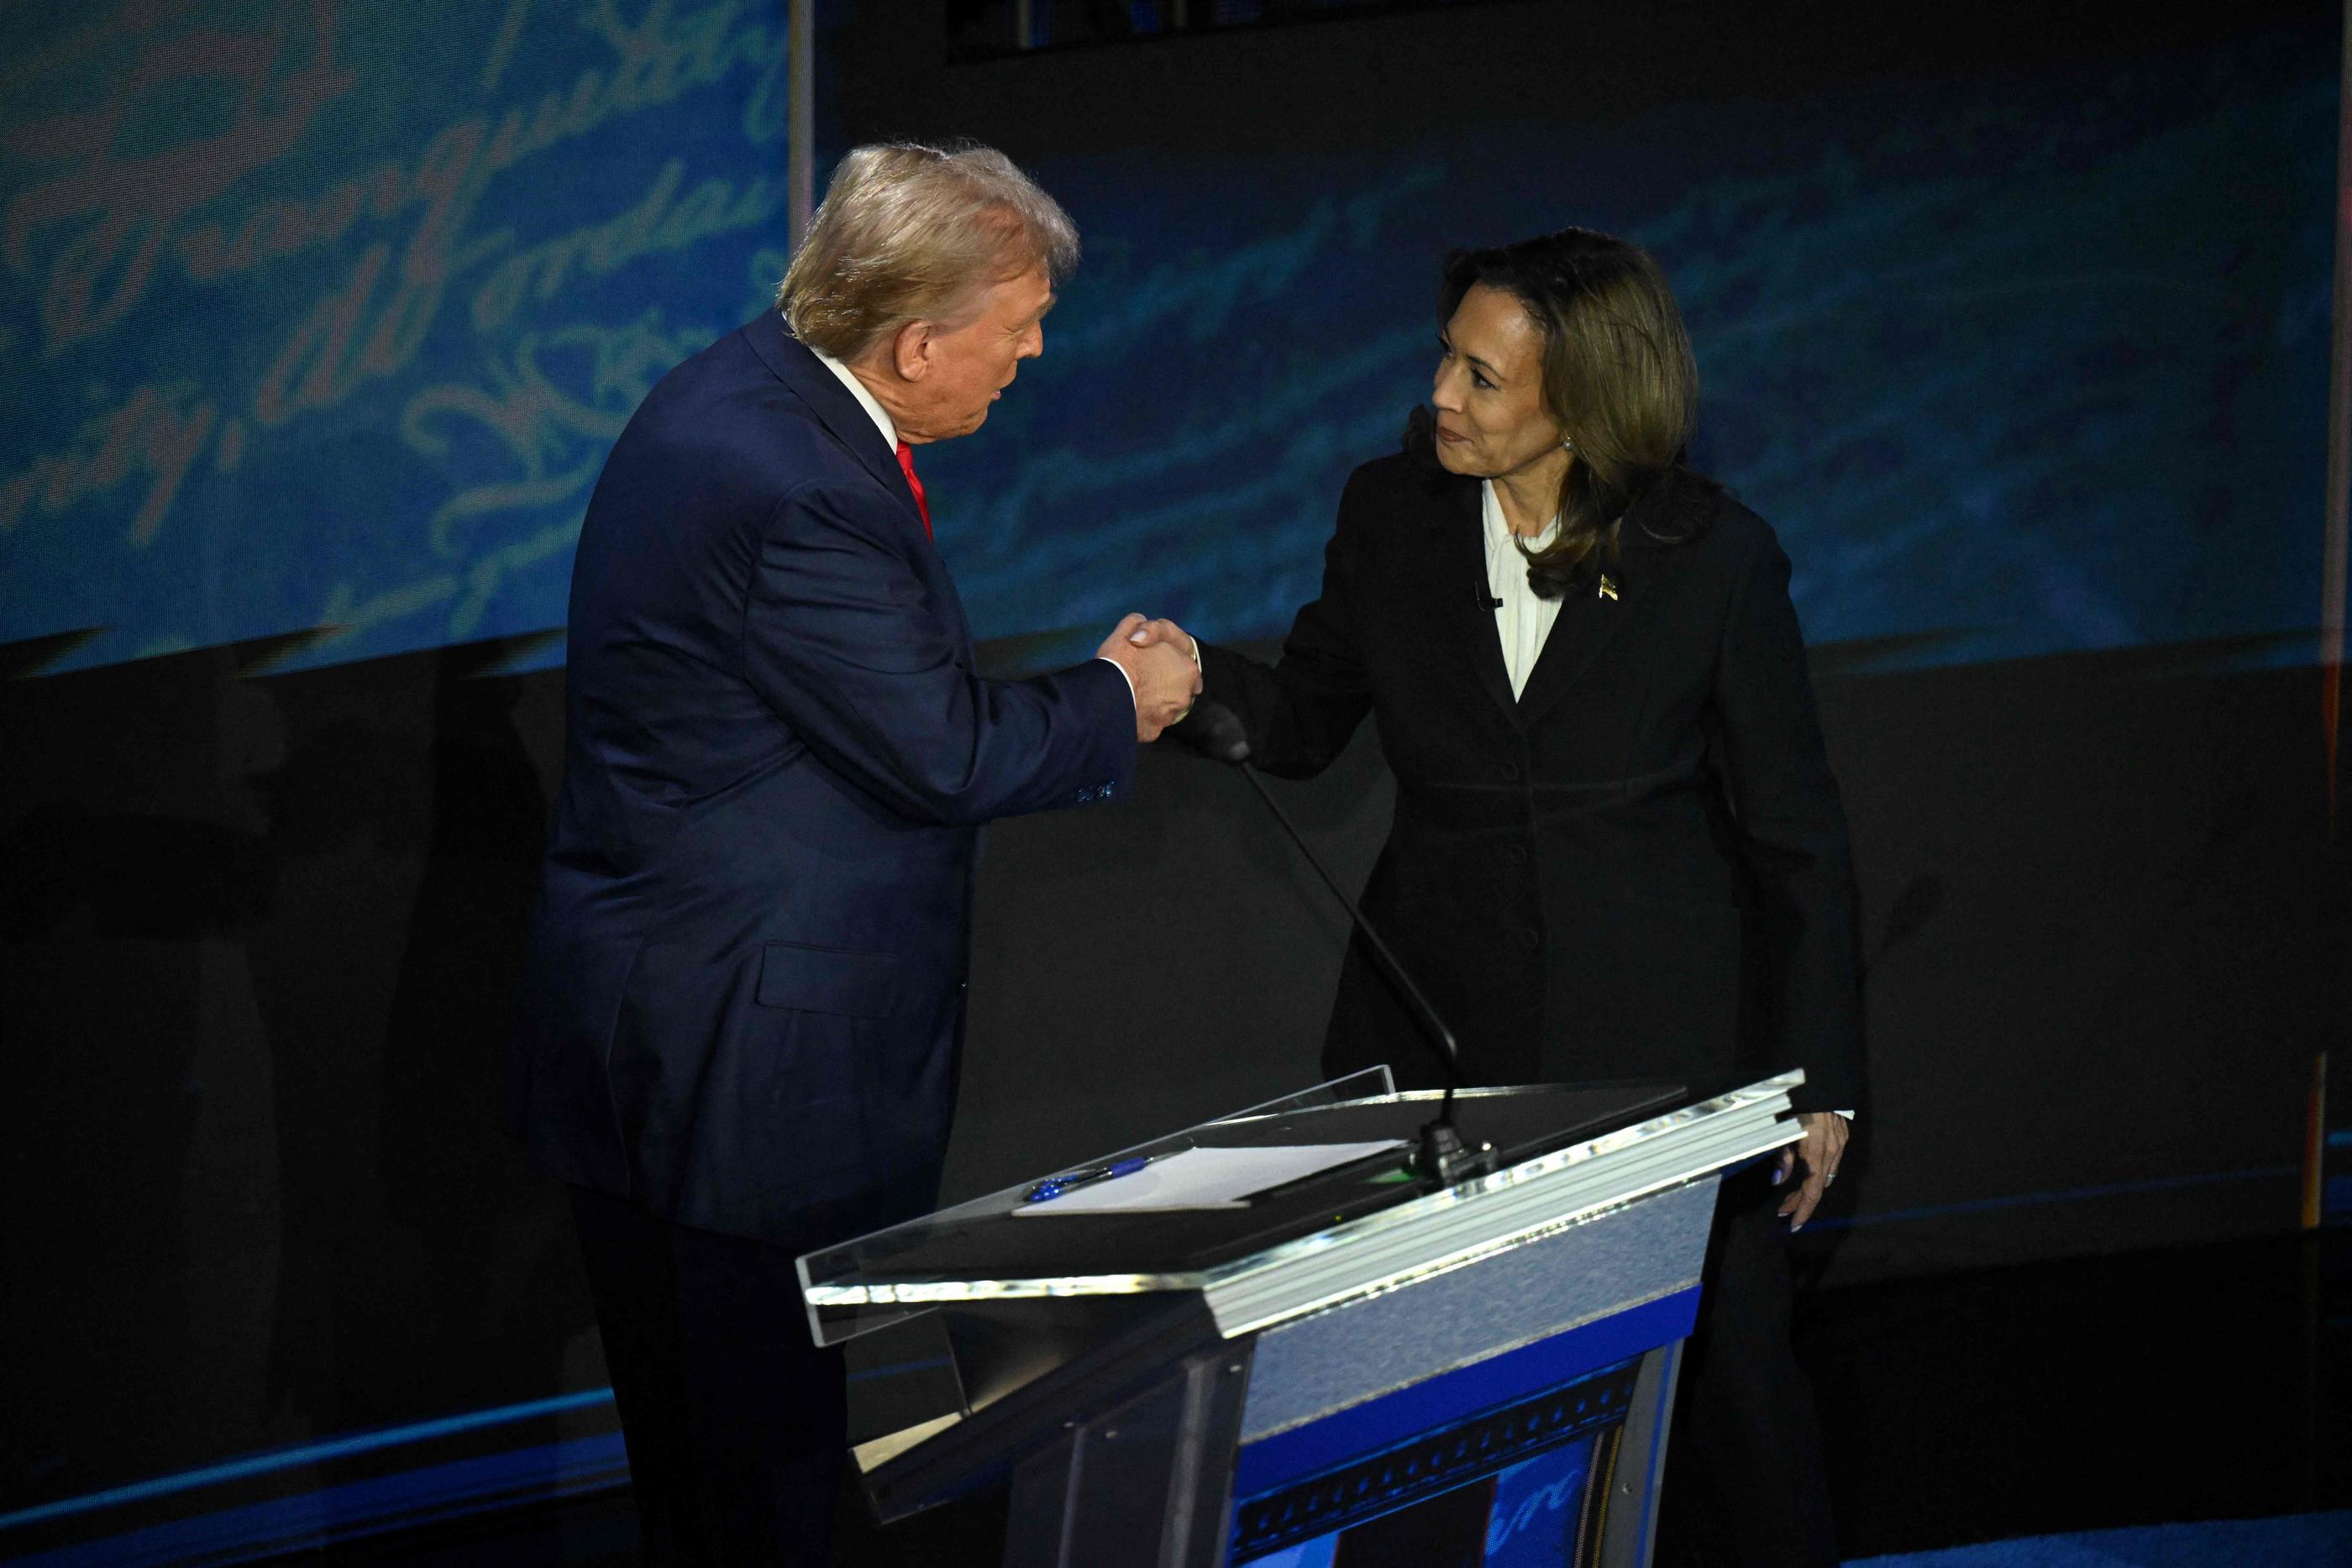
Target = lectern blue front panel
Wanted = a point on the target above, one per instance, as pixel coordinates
(1530, 1515)
(1363, 1350)
(1443, 1464)
(1439, 1404)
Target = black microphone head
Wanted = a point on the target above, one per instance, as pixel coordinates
(1217, 732)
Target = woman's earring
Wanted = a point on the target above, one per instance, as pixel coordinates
(1568, 443)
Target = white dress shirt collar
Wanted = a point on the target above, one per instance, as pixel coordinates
(866, 400)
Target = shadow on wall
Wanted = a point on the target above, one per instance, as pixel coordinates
(114, 925)
(408, 1222)
(257, 982)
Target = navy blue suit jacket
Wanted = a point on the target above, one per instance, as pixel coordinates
(745, 996)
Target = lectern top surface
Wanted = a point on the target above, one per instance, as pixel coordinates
(983, 1250)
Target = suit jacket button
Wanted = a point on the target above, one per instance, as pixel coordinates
(1510, 771)
(1516, 855)
(1528, 939)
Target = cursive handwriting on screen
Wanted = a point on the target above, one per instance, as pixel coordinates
(251, 245)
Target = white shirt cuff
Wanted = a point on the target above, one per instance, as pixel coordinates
(1114, 664)
(1123, 675)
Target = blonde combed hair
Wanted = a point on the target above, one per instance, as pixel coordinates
(914, 233)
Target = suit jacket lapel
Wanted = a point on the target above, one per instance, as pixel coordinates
(1677, 508)
(1589, 620)
(1459, 591)
(846, 420)
(842, 415)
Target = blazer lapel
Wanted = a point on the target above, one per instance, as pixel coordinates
(843, 418)
(846, 420)
(1590, 619)
(1459, 590)
(1675, 509)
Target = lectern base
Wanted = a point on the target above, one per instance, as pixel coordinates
(1563, 1478)
(1117, 1486)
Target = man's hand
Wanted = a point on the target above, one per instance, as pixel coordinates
(1151, 632)
(1820, 1151)
(1158, 658)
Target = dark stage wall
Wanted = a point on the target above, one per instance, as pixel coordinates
(260, 914)
(2105, 927)
(261, 932)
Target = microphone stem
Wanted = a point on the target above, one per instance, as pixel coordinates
(1433, 1026)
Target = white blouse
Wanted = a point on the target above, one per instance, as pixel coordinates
(1524, 620)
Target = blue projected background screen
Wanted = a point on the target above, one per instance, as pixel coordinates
(2014, 367)
(326, 316)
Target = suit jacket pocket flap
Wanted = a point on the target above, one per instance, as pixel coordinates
(826, 980)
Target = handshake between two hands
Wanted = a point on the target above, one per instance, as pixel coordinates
(1161, 663)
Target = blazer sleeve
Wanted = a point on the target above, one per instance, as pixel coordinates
(1301, 712)
(840, 641)
(1793, 834)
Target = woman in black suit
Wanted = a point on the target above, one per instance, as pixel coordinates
(1618, 851)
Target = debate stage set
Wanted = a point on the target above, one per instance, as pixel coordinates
(2027, 329)
(1346, 1367)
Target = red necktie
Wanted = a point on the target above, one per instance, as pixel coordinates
(906, 466)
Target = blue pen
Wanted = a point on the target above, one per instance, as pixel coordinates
(1055, 1187)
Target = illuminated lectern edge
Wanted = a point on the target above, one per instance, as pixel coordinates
(1369, 1083)
(1507, 1209)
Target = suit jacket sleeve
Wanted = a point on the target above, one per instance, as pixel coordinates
(1792, 835)
(1300, 714)
(839, 639)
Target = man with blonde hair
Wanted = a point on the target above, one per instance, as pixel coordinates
(746, 993)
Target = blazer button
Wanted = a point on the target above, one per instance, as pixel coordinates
(1528, 939)
(1516, 855)
(1510, 771)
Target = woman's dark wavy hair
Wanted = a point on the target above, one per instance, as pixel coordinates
(1618, 377)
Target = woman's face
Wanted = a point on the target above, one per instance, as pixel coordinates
(1491, 419)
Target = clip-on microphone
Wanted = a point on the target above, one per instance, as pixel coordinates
(1440, 1154)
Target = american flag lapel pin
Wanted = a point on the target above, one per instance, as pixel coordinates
(1607, 589)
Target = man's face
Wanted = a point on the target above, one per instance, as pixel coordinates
(969, 365)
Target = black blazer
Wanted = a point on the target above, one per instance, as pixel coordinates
(745, 994)
(1637, 869)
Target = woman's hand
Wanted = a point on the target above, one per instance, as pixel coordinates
(1821, 1149)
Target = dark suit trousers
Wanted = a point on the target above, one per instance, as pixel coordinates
(736, 1423)
(1744, 1483)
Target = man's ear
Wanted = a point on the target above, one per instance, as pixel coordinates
(910, 352)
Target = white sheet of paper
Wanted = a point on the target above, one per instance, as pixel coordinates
(1206, 1178)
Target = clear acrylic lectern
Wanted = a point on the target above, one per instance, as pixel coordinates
(1356, 1366)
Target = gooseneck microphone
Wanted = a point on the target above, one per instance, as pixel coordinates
(1218, 734)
